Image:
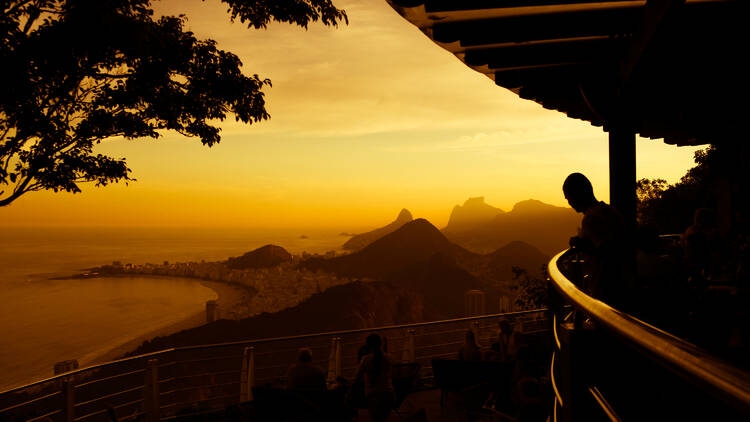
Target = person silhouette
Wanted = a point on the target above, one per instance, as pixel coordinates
(305, 376)
(703, 245)
(601, 238)
(470, 350)
(376, 372)
(507, 342)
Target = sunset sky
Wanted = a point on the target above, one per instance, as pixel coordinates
(366, 119)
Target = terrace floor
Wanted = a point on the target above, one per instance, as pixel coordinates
(429, 400)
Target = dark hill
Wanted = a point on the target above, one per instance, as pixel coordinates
(545, 226)
(414, 242)
(265, 256)
(514, 254)
(472, 213)
(442, 284)
(349, 306)
(359, 241)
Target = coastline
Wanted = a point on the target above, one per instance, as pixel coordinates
(232, 301)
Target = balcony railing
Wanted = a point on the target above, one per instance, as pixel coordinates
(189, 380)
(610, 365)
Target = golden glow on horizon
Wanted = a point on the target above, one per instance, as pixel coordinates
(366, 119)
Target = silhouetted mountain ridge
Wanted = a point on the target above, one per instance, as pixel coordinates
(263, 257)
(545, 226)
(500, 263)
(420, 274)
(442, 284)
(359, 241)
(414, 242)
(471, 214)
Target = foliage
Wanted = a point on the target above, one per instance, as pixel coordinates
(532, 290)
(76, 72)
(670, 208)
(647, 189)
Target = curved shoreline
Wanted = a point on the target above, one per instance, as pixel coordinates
(229, 298)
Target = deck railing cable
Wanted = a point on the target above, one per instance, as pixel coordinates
(195, 379)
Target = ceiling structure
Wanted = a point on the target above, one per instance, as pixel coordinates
(671, 69)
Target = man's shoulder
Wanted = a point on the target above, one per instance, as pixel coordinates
(602, 211)
(305, 368)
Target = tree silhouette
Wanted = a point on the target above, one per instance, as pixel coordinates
(670, 208)
(76, 72)
(532, 289)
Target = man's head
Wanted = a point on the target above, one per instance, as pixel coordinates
(374, 342)
(304, 355)
(578, 192)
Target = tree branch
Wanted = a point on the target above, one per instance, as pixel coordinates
(16, 7)
(19, 190)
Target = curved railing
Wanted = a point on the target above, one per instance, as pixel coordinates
(596, 343)
(194, 379)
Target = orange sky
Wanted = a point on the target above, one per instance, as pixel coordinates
(366, 119)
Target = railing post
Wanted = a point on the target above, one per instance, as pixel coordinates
(248, 374)
(332, 362)
(339, 357)
(68, 394)
(412, 345)
(475, 330)
(151, 391)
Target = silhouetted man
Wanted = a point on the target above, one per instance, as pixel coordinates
(601, 238)
(304, 376)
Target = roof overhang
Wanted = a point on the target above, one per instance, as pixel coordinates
(671, 69)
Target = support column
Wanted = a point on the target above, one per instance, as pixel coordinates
(248, 374)
(412, 345)
(151, 391)
(622, 194)
(622, 173)
(68, 394)
(332, 362)
(339, 358)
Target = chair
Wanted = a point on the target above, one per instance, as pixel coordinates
(473, 381)
(405, 376)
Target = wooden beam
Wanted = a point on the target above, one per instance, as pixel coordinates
(655, 14)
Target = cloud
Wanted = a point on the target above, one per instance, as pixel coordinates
(512, 136)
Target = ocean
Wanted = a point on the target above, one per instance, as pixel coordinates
(44, 321)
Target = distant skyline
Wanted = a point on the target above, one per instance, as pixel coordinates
(366, 119)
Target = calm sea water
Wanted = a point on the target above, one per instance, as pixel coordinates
(44, 321)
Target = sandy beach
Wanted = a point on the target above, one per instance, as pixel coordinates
(232, 302)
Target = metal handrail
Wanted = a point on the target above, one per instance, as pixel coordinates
(165, 358)
(265, 340)
(359, 330)
(83, 370)
(685, 359)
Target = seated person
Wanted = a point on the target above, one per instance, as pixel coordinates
(304, 376)
(507, 343)
(470, 350)
(702, 244)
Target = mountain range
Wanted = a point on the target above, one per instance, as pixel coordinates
(413, 274)
(544, 226)
(359, 241)
(419, 257)
(482, 228)
(473, 213)
(413, 242)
